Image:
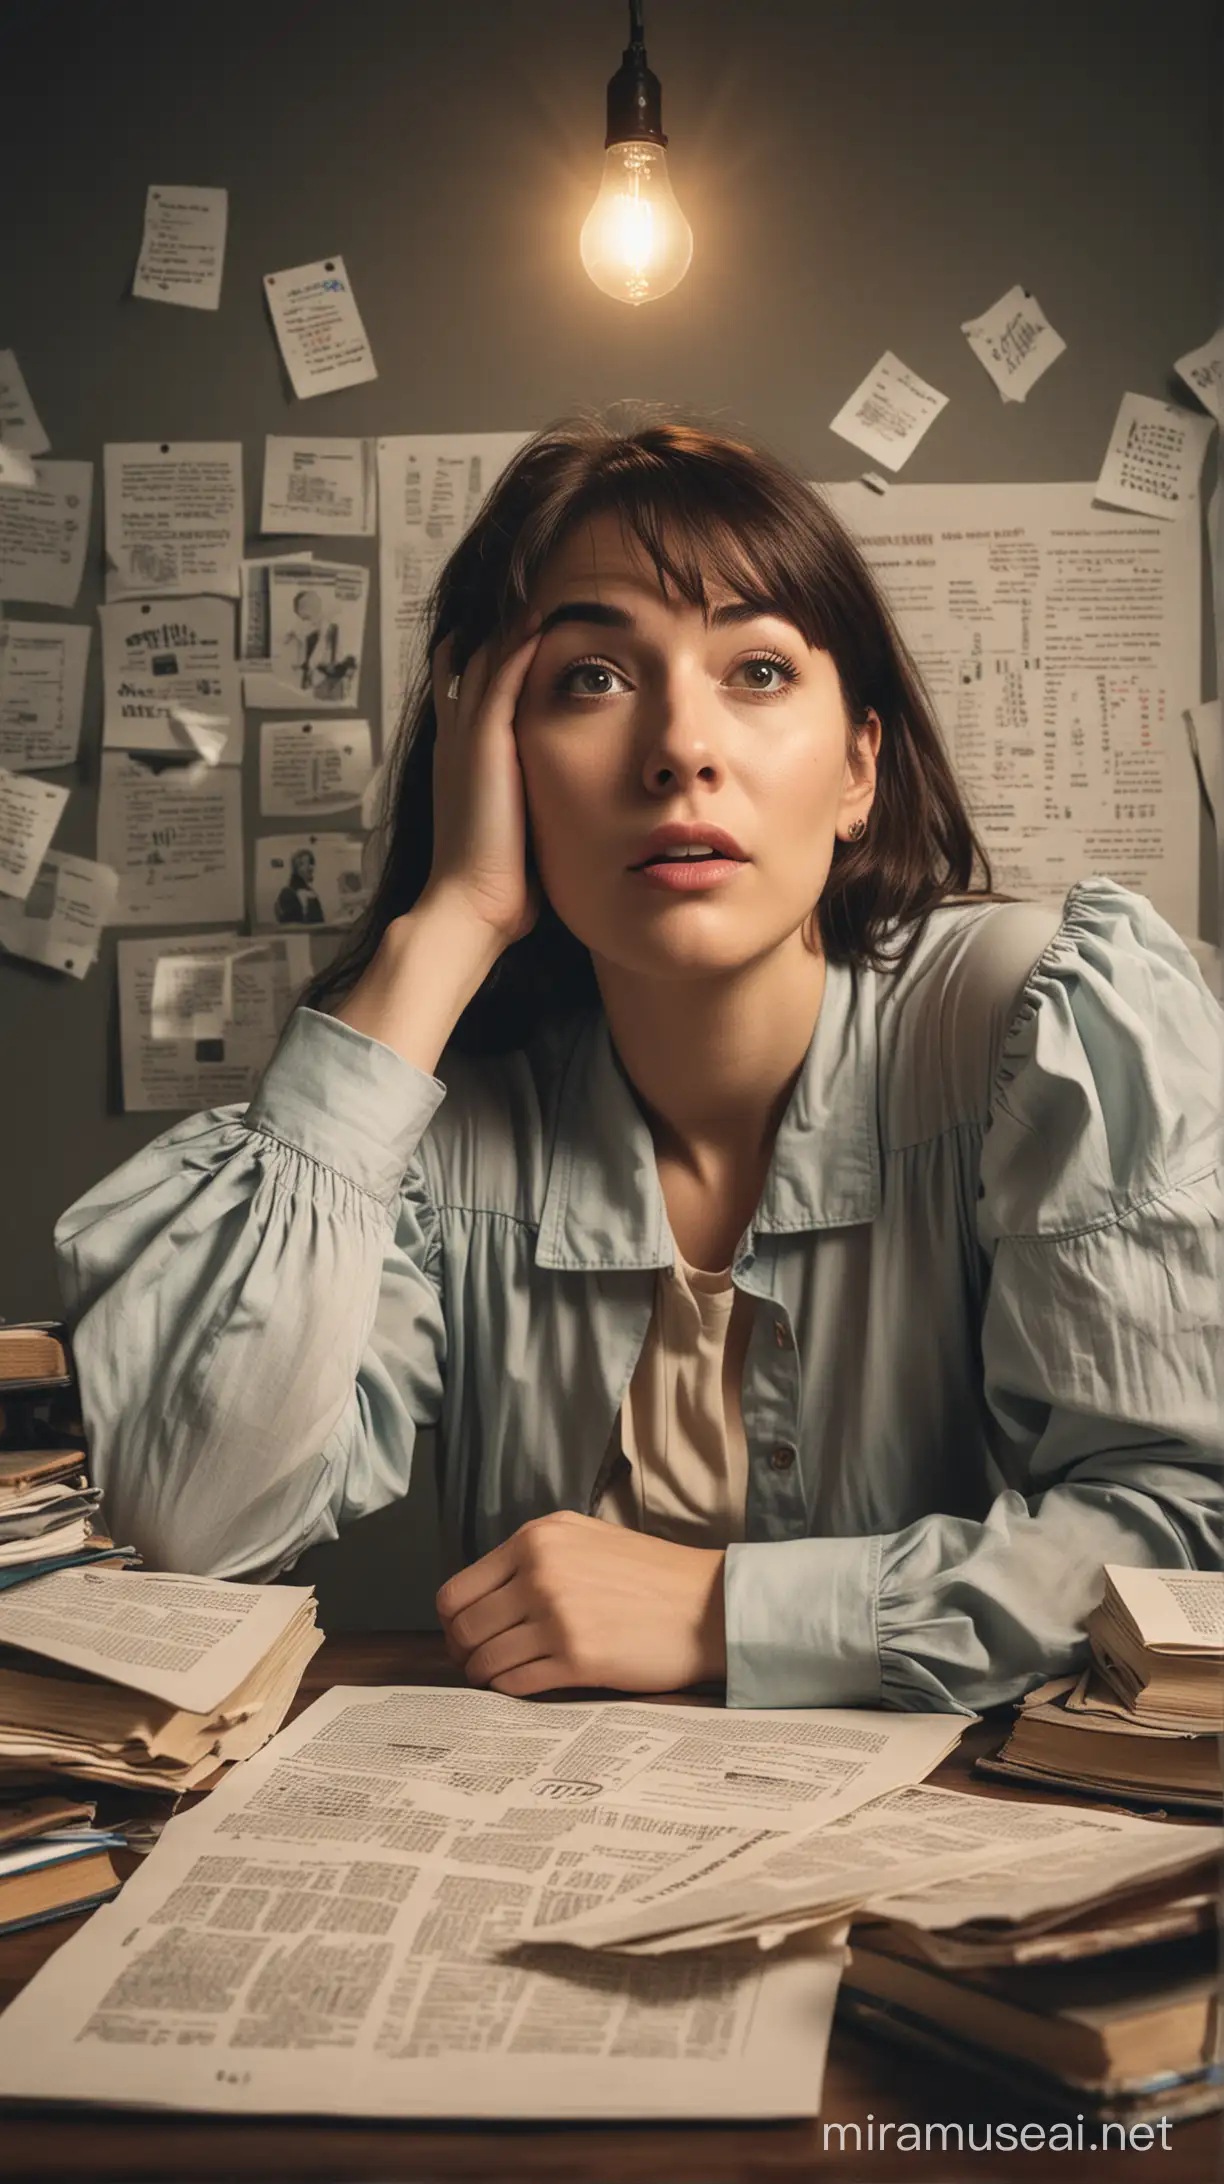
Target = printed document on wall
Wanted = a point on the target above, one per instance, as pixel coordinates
(1203, 372)
(1015, 342)
(429, 489)
(889, 413)
(303, 631)
(30, 812)
(42, 692)
(60, 922)
(1059, 643)
(319, 488)
(1154, 457)
(173, 517)
(174, 836)
(237, 997)
(309, 767)
(318, 326)
(162, 661)
(182, 250)
(44, 529)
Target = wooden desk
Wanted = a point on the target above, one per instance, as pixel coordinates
(863, 2079)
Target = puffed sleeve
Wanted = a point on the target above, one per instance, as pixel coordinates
(256, 1311)
(1099, 1214)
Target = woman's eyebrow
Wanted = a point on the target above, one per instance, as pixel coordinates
(609, 617)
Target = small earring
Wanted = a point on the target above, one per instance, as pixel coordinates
(856, 830)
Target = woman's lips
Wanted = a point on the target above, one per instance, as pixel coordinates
(690, 874)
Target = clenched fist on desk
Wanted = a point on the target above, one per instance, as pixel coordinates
(568, 1600)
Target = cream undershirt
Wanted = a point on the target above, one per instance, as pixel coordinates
(677, 1466)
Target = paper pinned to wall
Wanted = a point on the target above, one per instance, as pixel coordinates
(174, 519)
(1015, 341)
(42, 692)
(1203, 372)
(30, 812)
(311, 767)
(889, 413)
(159, 657)
(430, 487)
(1154, 457)
(318, 326)
(174, 836)
(182, 249)
(44, 530)
(188, 1072)
(1058, 642)
(319, 488)
(60, 922)
(310, 620)
(20, 424)
(309, 879)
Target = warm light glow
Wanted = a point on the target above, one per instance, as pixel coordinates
(636, 243)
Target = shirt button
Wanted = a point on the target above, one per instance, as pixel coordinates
(782, 1334)
(782, 1458)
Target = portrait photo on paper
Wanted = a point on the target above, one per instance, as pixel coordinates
(308, 879)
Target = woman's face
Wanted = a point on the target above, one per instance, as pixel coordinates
(633, 715)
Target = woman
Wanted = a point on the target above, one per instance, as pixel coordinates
(806, 1259)
(298, 901)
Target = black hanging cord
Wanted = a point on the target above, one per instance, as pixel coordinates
(635, 100)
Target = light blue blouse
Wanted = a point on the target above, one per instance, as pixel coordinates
(985, 1273)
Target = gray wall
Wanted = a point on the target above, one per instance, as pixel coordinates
(857, 177)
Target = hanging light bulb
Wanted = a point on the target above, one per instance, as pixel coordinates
(636, 243)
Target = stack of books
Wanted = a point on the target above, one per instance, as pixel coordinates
(153, 1681)
(1106, 2014)
(54, 1862)
(1144, 1719)
(49, 1512)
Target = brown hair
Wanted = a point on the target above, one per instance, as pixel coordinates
(692, 496)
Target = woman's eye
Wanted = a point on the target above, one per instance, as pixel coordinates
(768, 662)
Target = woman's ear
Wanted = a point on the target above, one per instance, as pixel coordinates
(859, 778)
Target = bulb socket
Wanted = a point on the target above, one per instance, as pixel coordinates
(635, 102)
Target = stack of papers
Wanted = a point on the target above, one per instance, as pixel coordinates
(1144, 1719)
(148, 1680)
(46, 1506)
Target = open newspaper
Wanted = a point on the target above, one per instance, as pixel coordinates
(326, 1932)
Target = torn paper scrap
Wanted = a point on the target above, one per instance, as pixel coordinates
(44, 530)
(174, 836)
(20, 424)
(310, 767)
(1154, 457)
(430, 487)
(204, 734)
(1203, 372)
(173, 517)
(17, 468)
(158, 656)
(309, 879)
(190, 1071)
(311, 620)
(888, 414)
(42, 692)
(30, 812)
(319, 488)
(318, 326)
(182, 250)
(1015, 341)
(60, 922)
